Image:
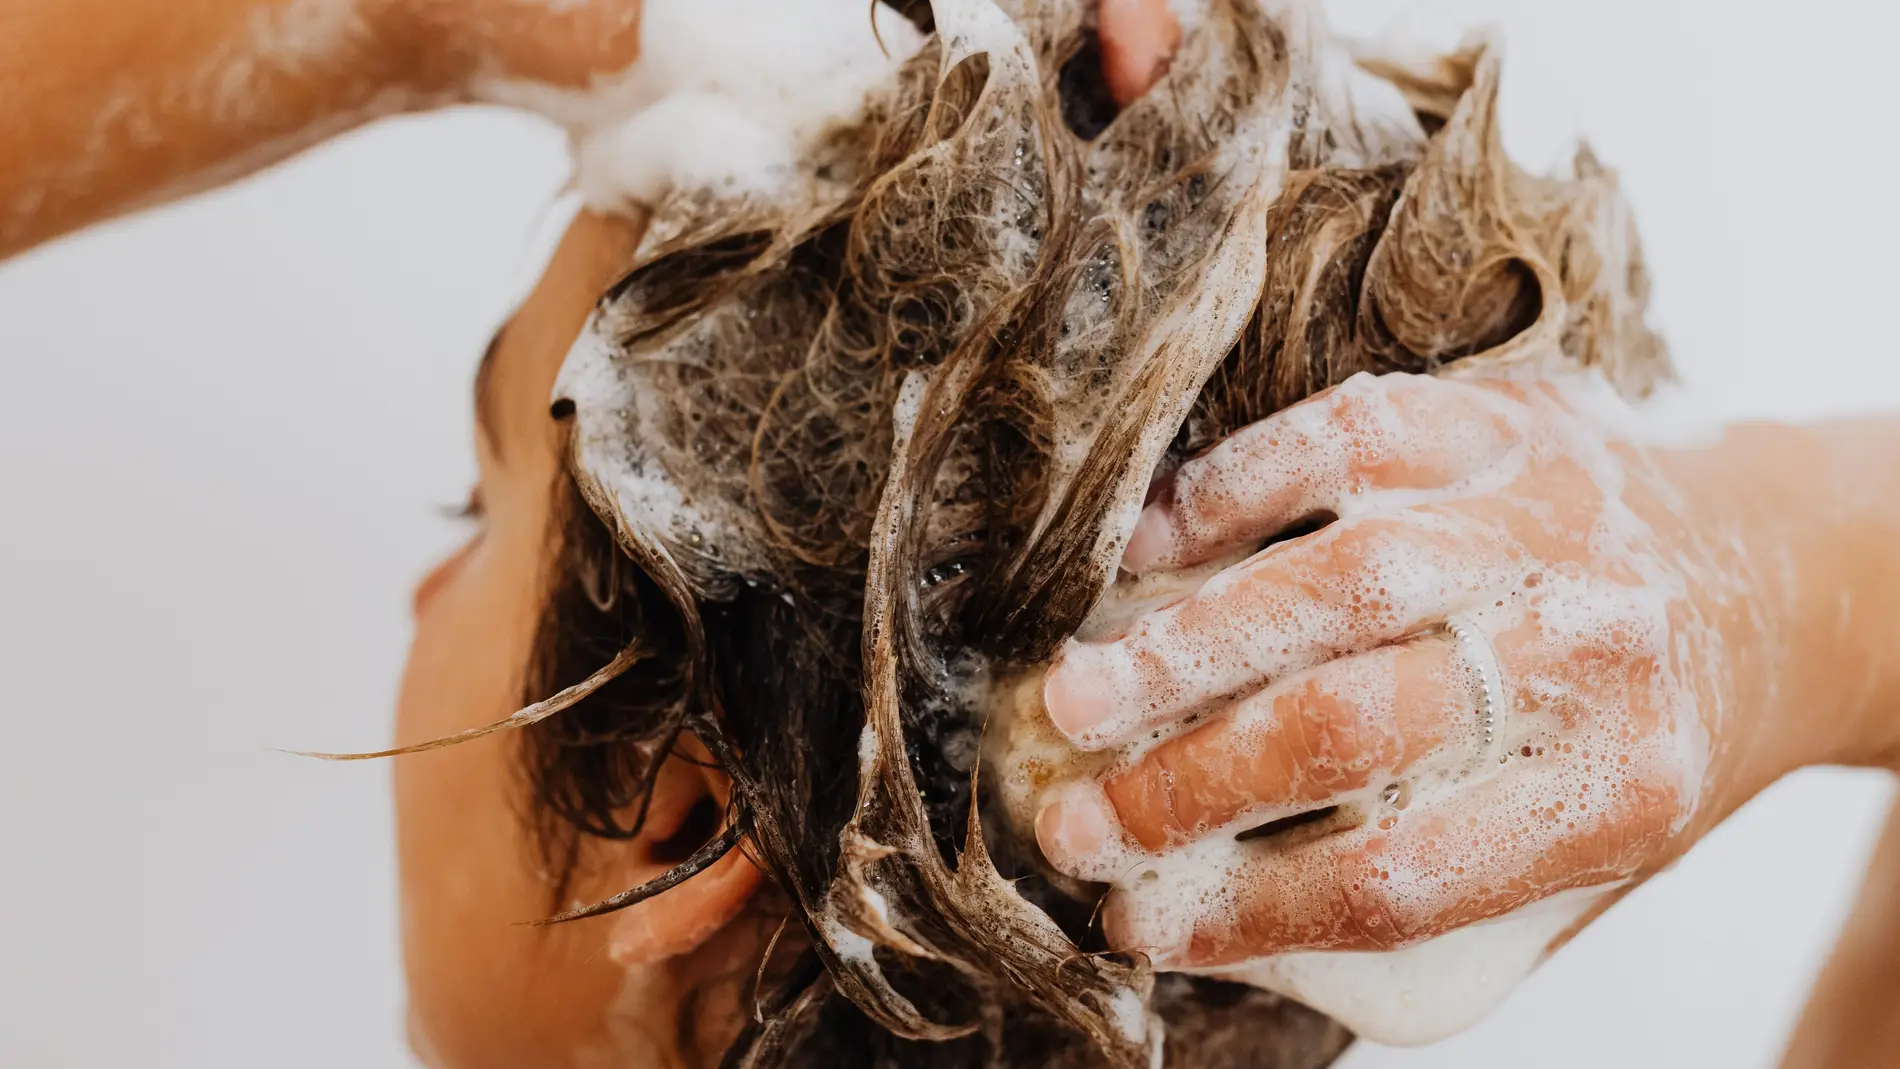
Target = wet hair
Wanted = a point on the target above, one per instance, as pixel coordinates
(841, 457)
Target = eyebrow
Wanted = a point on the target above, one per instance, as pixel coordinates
(487, 417)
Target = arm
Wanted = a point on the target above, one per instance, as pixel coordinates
(1670, 629)
(1852, 1020)
(1806, 592)
(1814, 512)
(116, 105)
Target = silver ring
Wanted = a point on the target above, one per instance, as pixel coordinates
(1478, 652)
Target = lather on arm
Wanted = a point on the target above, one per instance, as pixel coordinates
(116, 105)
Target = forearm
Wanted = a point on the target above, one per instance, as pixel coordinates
(1809, 518)
(1861, 573)
(117, 104)
(1853, 1016)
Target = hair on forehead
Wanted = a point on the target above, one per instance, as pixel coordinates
(843, 456)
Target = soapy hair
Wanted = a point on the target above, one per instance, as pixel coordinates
(842, 456)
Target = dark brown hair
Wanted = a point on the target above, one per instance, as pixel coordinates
(840, 459)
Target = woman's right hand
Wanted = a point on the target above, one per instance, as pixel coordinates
(1664, 628)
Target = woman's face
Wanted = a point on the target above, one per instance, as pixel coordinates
(485, 989)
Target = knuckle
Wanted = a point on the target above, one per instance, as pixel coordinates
(1203, 488)
(1323, 739)
(1164, 818)
(1366, 914)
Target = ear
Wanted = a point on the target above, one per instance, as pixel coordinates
(688, 808)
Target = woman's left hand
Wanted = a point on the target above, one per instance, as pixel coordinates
(568, 44)
(1628, 614)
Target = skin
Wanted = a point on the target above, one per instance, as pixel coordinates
(133, 105)
(485, 991)
(1653, 612)
(126, 106)
(1771, 548)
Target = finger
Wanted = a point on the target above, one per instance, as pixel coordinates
(1327, 454)
(1346, 728)
(1409, 876)
(1138, 39)
(1353, 586)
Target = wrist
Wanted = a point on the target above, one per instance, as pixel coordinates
(429, 58)
(1798, 527)
(1856, 580)
(451, 48)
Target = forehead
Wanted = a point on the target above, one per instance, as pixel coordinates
(516, 377)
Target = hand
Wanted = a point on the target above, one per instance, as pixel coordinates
(568, 44)
(1614, 620)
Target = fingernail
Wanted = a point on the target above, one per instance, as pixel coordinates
(1152, 540)
(1079, 691)
(1074, 827)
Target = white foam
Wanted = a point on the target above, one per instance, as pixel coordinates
(1428, 991)
(1129, 1015)
(847, 944)
(1368, 115)
(726, 95)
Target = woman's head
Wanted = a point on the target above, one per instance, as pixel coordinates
(842, 462)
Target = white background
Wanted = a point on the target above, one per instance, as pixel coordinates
(225, 429)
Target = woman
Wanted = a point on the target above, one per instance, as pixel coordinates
(487, 993)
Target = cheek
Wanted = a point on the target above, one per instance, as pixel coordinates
(485, 990)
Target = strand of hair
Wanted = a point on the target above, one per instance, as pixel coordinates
(703, 858)
(521, 718)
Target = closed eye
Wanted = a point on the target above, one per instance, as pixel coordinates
(473, 509)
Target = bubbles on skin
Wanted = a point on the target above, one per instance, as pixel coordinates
(707, 109)
(1378, 578)
(1325, 455)
(1334, 732)
(1613, 672)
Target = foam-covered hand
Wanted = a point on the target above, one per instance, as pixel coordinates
(570, 43)
(1515, 662)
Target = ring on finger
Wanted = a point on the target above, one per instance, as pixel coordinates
(1482, 657)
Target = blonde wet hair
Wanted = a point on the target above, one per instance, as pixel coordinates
(843, 454)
